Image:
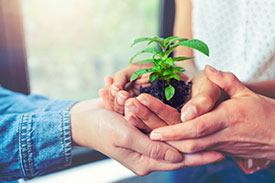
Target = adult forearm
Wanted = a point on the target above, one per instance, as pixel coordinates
(266, 88)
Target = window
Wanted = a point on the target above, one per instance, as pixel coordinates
(71, 45)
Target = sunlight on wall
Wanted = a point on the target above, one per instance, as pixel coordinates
(72, 45)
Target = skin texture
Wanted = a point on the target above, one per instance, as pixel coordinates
(147, 112)
(108, 132)
(242, 126)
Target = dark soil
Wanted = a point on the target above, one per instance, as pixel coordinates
(182, 92)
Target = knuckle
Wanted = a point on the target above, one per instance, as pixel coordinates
(200, 130)
(191, 147)
(119, 74)
(237, 114)
(160, 108)
(170, 115)
(230, 77)
(204, 101)
(155, 151)
(184, 166)
(145, 115)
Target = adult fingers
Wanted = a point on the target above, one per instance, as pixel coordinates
(197, 106)
(199, 127)
(227, 81)
(139, 142)
(135, 121)
(108, 80)
(104, 94)
(165, 112)
(122, 77)
(120, 98)
(204, 96)
(142, 112)
(195, 145)
(202, 158)
(190, 160)
(197, 159)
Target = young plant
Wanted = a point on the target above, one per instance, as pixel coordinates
(164, 65)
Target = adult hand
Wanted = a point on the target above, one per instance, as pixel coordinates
(242, 126)
(109, 133)
(147, 112)
(118, 89)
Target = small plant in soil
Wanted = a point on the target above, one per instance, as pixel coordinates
(165, 81)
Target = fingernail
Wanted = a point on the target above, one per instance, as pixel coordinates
(155, 136)
(114, 89)
(121, 98)
(190, 113)
(212, 68)
(173, 156)
(143, 101)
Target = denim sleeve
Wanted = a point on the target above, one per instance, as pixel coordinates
(35, 135)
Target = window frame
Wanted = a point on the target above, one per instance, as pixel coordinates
(13, 70)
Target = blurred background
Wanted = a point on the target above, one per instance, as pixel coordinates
(63, 49)
(71, 45)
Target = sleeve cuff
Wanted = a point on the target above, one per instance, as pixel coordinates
(45, 142)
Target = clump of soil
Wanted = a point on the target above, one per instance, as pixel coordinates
(182, 92)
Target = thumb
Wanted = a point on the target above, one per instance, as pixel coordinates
(227, 81)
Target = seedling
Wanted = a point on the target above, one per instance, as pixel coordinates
(164, 65)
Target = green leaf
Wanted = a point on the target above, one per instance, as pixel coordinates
(175, 76)
(138, 73)
(153, 50)
(169, 92)
(170, 62)
(146, 61)
(169, 38)
(153, 77)
(177, 39)
(176, 59)
(178, 69)
(139, 40)
(181, 72)
(157, 40)
(167, 72)
(195, 44)
(171, 49)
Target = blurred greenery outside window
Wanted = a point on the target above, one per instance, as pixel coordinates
(72, 44)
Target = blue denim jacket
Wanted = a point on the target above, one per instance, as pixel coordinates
(35, 135)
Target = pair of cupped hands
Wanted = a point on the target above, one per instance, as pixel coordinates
(223, 117)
